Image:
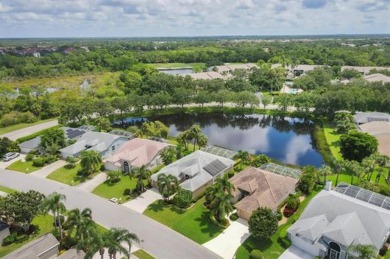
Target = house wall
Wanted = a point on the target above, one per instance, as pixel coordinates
(244, 214)
(305, 246)
(49, 254)
(65, 155)
(3, 234)
(113, 147)
(108, 166)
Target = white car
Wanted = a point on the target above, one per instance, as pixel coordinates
(9, 156)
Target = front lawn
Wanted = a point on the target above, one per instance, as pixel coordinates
(24, 167)
(115, 190)
(67, 176)
(141, 254)
(6, 189)
(193, 223)
(333, 140)
(273, 248)
(45, 224)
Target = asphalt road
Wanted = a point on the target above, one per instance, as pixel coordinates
(14, 135)
(156, 238)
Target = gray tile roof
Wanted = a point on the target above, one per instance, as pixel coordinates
(31, 144)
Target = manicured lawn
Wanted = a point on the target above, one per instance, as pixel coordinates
(178, 65)
(45, 223)
(333, 140)
(111, 190)
(24, 167)
(66, 176)
(272, 248)
(346, 178)
(141, 254)
(6, 189)
(21, 126)
(194, 223)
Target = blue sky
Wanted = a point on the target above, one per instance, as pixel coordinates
(139, 18)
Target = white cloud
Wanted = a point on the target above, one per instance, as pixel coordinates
(20, 18)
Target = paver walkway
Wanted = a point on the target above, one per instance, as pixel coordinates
(45, 171)
(226, 243)
(140, 203)
(92, 183)
(294, 252)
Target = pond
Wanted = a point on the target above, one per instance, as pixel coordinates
(178, 71)
(289, 140)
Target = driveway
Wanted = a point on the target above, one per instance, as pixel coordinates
(140, 203)
(14, 135)
(91, 184)
(45, 171)
(226, 243)
(156, 238)
(4, 165)
(294, 252)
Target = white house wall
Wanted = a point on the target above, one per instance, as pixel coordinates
(305, 246)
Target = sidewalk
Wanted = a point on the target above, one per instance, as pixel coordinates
(92, 183)
(44, 172)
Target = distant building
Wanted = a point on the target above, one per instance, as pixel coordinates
(377, 78)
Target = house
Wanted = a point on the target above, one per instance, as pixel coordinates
(74, 133)
(364, 117)
(206, 75)
(335, 220)
(134, 154)
(364, 70)
(30, 145)
(103, 143)
(4, 231)
(377, 78)
(196, 171)
(45, 247)
(303, 69)
(381, 131)
(255, 188)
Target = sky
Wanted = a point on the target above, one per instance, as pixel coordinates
(156, 18)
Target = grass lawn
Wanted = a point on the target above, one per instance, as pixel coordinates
(346, 178)
(178, 65)
(193, 223)
(6, 189)
(333, 140)
(21, 126)
(110, 190)
(272, 248)
(45, 223)
(66, 176)
(141, 254)
(24, 167)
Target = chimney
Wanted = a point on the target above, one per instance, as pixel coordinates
(328, 185)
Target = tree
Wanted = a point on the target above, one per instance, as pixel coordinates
(113, 176)
(121, 104)
(114, 239)
(243, 156)
(55, 204)
(266, 100)
(307, 181)
(196, 134)
(90, 162)
(263, 223)
(221, 206)
(363, 251)
(357, 145)
(260, 160)
(182, 198)
(21, 207)
(141, 174)
(325, 171)
(53, 137)
(168, 155)
(224, 185)
(7, 145)
(167, 185)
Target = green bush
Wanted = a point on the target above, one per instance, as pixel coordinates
(38, 162)
(279, 215)
(10, 239)
(234, 216)
(29, 157)
(256, 254)
(127, 192)
(284, 242)
(293, 202)
(182, 199)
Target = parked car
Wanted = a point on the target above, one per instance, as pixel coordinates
(9, 156)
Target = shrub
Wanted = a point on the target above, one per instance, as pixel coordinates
(182, 199)
(293, 202)
(49, 159)
(224, 222)
(287, 212)
(256, 254)
(29, 157)
(279, 215)
(127, 192)
(10, 239)
(231, 173)
(284, 242)
(38, 162)
(263, 223)
(383, 251)
(234, 216)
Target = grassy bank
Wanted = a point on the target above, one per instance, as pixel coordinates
(19, 126)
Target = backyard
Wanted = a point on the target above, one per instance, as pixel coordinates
(333, 140)
(193, 223)
(23, 167)
(66, 175)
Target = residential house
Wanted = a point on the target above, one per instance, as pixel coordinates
(30, 145)
(103, 143)
(134, 154)
(255, 188)
(377, 78)
(45, 247)
(4, 231)
(364, 70)
(206, 75)
(335, 220)
(381, 131)
(196, 171)
(364, 117)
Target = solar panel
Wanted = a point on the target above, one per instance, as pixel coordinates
(215, 167)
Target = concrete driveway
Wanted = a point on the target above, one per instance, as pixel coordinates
(14, 135)
(4, 165)
(156, 238)
(91, 184)
(294, 252)
(140, 203)
(226, 243)
(45, 171)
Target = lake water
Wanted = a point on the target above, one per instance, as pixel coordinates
(180, 71)
(289, 140)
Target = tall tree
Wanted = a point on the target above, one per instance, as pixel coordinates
(167, 185)
(90, 162)
(55, 204)
(325, 171)
(141, 174)
(243, 156)
(357, 145)
(221, 206)
(114, 240)
(263, 223)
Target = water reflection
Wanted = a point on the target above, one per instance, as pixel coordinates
(286, 139)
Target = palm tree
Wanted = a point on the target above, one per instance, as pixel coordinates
(221, 206)
(141, 174)
(55, 204)
(167, 185)
(91, 162)
(324, 171)
(211, 192)
(243, 156)
(369, 164)
(225, 185)
(115, 237)
(363, 251)
(77, 221)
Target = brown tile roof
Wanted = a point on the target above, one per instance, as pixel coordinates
(265, 189)
(381, 131)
